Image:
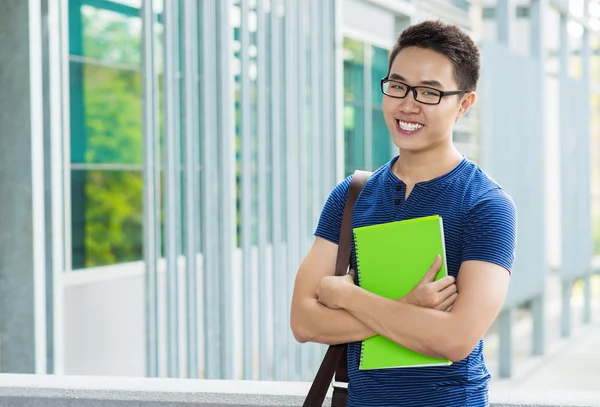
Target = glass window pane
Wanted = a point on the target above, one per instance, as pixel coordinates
(354, 105)
(382, 145)
(378, 70)
(354, 70)
(106, 115)
(595, 175)
(107, 217)
(106, 133)
(111, 36)
(354, 131)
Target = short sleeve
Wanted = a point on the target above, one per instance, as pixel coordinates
(330, 221)
(490, 230)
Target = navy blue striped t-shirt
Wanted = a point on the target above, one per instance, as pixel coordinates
(479, 224)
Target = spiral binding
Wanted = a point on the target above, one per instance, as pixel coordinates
(362, 344)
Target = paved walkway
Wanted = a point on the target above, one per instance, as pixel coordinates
(569, 363)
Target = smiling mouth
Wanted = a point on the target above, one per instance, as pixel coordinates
(408, 127)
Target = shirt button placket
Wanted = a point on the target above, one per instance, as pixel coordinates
(397, 202)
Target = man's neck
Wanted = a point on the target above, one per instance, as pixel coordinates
(415, 167)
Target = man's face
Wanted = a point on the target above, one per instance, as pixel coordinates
(416, 126)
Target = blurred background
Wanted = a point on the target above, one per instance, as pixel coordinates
(164, 164)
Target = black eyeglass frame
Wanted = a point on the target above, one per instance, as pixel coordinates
(414, 91)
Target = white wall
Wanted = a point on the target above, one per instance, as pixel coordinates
(104, 326)
(104, 318)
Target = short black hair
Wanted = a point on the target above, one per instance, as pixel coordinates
(449, 40)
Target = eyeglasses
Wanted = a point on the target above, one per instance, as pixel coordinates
(422, 94)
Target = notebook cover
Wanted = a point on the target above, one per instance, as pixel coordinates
(391, 259)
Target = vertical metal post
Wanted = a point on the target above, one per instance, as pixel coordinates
(275, 103)
(50, 49)
(587, 169)
(504, 20)
(38, 185)
(292, 169)
(368, 112)
(565, 327)
(263, 219)
(566, 207)
(331, 89)
(210, 194)
(227, 183)
(315, 132)
(337, 77)
(537, 34)
(587, 306)
(60, 129)
(302, 152)
(505, 320)
(246, 191)
(538, 335)
(537, 52)
(171, 157)
(151, 188)
(191, 159)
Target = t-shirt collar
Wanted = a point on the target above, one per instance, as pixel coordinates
(441, 180)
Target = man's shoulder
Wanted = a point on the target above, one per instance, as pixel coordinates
(481, 190)
(478, 187)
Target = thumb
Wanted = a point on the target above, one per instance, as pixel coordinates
(433, 270)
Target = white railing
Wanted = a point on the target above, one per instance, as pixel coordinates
(94, 391)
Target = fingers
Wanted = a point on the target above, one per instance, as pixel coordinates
(433, 270)
(352, 273)
(448, 289)
(443, 283)
(447, 304)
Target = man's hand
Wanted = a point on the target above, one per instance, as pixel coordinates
(428, 293)
(331, 287)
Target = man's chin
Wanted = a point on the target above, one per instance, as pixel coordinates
(409, 145)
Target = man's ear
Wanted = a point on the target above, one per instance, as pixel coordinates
(467, 101)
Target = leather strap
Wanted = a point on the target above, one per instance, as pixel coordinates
(335, 360)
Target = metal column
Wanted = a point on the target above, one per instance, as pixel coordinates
(567, 285)
(247, 192)
(151, 187)
(291, 170)
(171, 175)
(227, 183)
(264, 221)
(191, 179)
(276, 101)
(210, 194)
(505, 319)
(537, 52)
(586, 203)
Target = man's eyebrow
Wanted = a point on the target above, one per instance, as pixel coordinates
(435, 83)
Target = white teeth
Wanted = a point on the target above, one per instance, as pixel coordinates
(409, 126)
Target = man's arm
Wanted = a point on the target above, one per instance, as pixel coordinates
(311, 321)
(482, 288)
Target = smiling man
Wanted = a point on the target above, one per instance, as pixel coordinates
(432, 77)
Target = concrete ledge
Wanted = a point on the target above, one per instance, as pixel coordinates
(78, 391)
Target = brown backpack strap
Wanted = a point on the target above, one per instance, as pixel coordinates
(335, 360)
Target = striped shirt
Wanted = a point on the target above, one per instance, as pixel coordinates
(479, 224)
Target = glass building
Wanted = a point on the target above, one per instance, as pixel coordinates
(164, 164)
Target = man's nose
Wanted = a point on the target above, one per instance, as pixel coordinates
(409, 103)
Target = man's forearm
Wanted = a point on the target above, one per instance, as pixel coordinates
(419, 329)
(318, 323)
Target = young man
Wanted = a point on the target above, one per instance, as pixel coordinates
(433, 73)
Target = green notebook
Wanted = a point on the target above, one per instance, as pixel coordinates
(391, 259)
